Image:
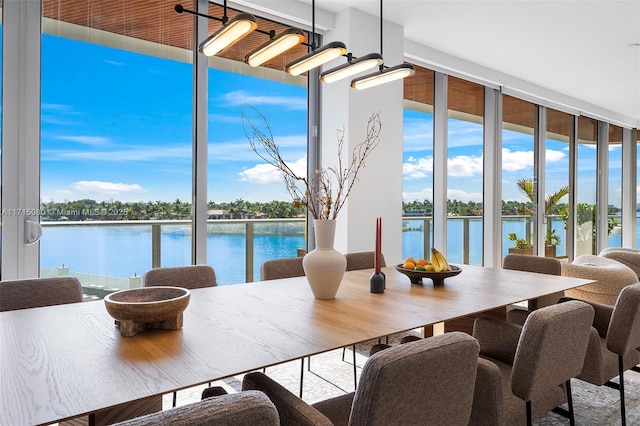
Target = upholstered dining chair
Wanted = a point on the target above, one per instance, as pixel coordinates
(625, 255)
(356, 261)
(236, 409)
(528, 263)
(362, 260)
(535, 364)
(288, 268)
(281, 268)
(613, 343)
(611, 277)
(37, 292)
(427, 382)
(189, 277)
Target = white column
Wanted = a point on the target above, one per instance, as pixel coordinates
(378, 191)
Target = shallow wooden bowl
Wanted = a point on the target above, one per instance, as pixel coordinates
(137, 309)
(437, 277)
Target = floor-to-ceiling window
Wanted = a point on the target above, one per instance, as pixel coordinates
(556, 178)
(1, 82)
(252, 217)
(417, 165)
(614, 219)
(519, 187)
(586, 185)
(465, 126)
(116, 139)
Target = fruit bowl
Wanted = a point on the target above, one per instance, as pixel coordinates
(437, 277)
(138, 309)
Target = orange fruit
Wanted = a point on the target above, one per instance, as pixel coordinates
(408, 265)
(421, 262)
(411, 260)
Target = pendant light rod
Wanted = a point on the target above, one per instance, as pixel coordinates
(381, 39)
(315, 58)
(180, 9)
(384, 74)
(313, 25)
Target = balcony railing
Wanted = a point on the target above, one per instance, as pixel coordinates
(167, 243)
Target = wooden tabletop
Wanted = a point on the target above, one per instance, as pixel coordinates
(62, 361)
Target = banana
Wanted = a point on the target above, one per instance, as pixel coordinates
(443, 265)
(434, 261)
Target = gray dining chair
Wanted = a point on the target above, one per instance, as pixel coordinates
(614, 342)
(427, 382)
(356, 261)
(533, 364)
(362, 260)
(289, 268)
(538, 264)
(189, 277)
(236, 409)
(38, 292)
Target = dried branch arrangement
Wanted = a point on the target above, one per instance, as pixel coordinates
(325, 193)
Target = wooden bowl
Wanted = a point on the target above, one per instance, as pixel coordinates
(138, 309)
(437, 277)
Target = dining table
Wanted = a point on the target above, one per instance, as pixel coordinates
(64, 361)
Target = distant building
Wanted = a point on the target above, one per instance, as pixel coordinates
(218, 214)
(415, 213)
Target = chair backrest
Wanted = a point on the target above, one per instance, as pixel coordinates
(541, 265)
(624, 255)
(362, 260)
(189, 277)
(281, 268)
(429, 380)
(37, 292)
(236, 409)
(552, 347)
(523, 262)
(623, 334)
(611, 277)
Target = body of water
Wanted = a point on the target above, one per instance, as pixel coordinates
(125, 251)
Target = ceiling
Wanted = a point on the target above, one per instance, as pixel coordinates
(583, 50)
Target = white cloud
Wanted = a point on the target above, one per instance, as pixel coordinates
(240, 97)
(109, 188)
(140, 153)
(425, 194)
(87, 140)
(460, 195)
(464, 165)
(452, 194)
(266, 173)
(552, 156)
(518, 160)
(417, 168)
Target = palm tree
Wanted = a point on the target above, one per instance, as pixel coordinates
(526, 187)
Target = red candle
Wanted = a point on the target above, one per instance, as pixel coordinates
(378, 244)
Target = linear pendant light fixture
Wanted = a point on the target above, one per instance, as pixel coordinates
(230, 33)
(276, 45)
(383, 75)
(238, 27)
(352, 67)
(318, 57)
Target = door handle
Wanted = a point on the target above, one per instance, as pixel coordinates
(32, 231)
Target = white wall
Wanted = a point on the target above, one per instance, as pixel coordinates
(378, 190)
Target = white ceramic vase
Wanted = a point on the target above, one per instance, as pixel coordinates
(324, 266)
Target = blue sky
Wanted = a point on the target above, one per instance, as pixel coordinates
(117, 125)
